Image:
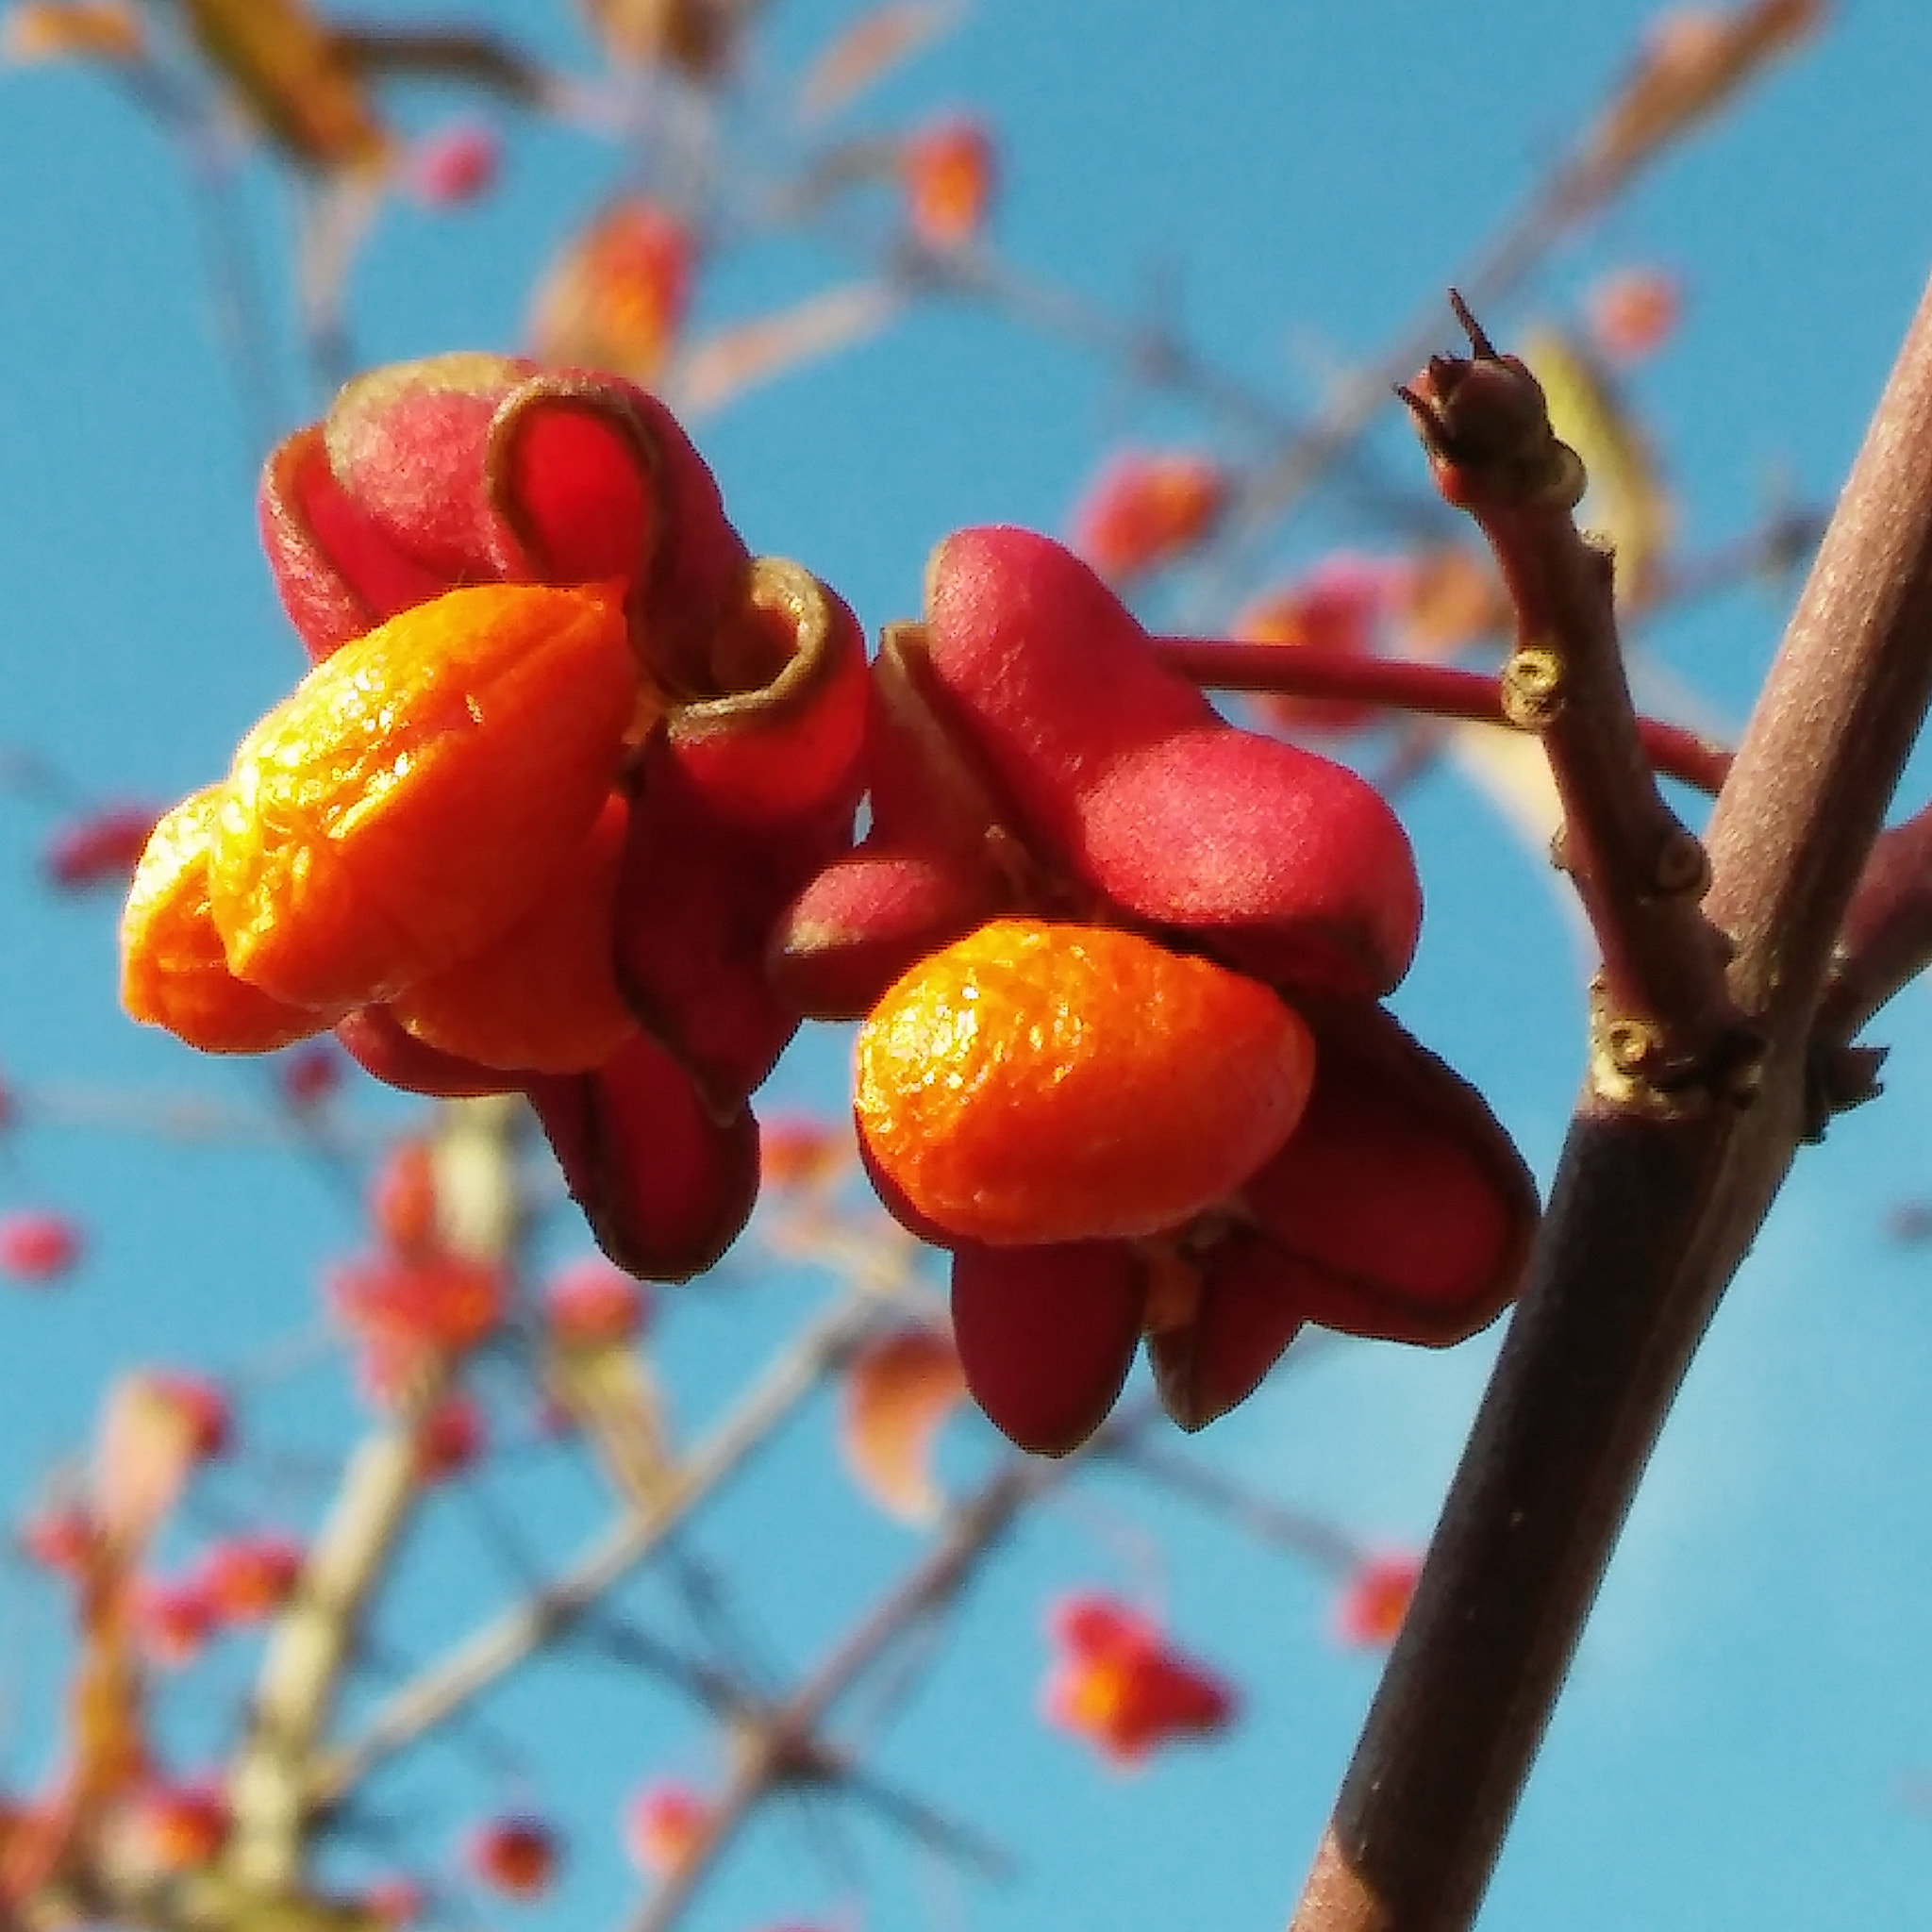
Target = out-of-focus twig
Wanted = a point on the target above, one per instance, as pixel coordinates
(500, 1646)
(787, 1749)
(1297, 1531)
(314, 1640)
(1666, 92)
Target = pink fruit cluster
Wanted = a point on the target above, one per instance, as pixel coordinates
(1031, 754)
(473, 469)
(1031, 766)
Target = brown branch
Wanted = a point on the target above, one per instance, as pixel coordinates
(481, 59)
(1664, 1030)
(1648, 1219)
(735, 1706)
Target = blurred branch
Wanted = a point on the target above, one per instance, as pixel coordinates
(478, 59)
(1887, 940)
(188, 1118)
(738, 1707)
(1154, 356)
(479, 1661)
(785, 1749)
(1298, 1532)
(314, 1640)
(1668, 90)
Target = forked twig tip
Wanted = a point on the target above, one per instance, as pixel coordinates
(1478, 339)
(1428, 418)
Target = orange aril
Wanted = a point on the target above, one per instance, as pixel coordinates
(544, 993)
(417, 792)
(947, 169)
(174, 971)
(1038, 1083)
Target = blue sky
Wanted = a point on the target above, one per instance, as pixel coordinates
(1751, 1707)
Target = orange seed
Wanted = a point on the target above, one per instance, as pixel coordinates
(544, 993)
(1037, 1083)
(416, 791)
(174, 973)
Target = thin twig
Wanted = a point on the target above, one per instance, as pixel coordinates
(1665, 1031)
(473, 57)
(739, 1710)
(180, 1117)
(1397, 684)
(1313, 1537)
(1581, 185)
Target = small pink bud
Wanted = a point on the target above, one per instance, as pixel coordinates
(1120, 1684)
(63, 1537)
(1634, 313)
(1145, 509)
(99, 848)
(309, 1074)
(38, 1245)
(1375, 1599)
(590, 1302)
(450, 1438)
(801, 1151)
(173, 1621)
(662, 1825)
(1337, 607)
(172, 1828)
(245, 1579)
(204, 1411)
(947, 170)
(395, 1904)
(454, 164)
(616, 296)
(516, 1856)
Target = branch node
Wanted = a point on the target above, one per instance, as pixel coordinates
(1533, 686)
(1837, 1079)
(1683, 867)
(1631, 1046)
(1428, 418)
(1485, 349)
(1632, 1071)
